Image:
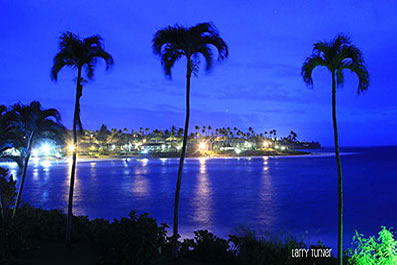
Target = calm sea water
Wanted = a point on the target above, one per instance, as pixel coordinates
(284, 195)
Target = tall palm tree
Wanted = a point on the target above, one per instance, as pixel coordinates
(33, 122)
(78, 54)
(337, 55)
(171, 44)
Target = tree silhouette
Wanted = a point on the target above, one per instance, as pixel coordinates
(171, 44)
(32, 122)
(78, 54)
(336, 56)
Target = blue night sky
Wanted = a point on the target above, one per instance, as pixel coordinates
(258, 86)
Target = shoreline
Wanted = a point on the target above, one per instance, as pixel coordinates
(228, 155)
(270, 154)
(83, 158)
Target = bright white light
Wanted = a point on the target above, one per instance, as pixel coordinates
(203, 146)
(145, 162)
(163, 147)
(277, 147)
(12, 164)
(71, 148)
(248, 144)
(35, 152)
(283, 147)
(45, 164)
(145, 151)
(45, 149)
(237, 150)
(266, 144)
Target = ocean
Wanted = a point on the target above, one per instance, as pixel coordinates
(280, 196)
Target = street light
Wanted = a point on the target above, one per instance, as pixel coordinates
(266, 144)
(203, 146)
(71, 148)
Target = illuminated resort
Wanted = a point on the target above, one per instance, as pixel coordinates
(168, 143)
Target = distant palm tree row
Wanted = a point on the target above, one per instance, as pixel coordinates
(200, 131)
(171, 44)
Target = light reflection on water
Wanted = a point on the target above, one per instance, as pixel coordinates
(266, 194)
(140, 183)
(202, 201)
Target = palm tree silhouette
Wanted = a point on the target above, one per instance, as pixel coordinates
(78, 53)
(336, 56)
(171, 44)
(209, 128)
(32, 123)
(8, 138)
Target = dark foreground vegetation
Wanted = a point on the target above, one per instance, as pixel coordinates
(37, 236)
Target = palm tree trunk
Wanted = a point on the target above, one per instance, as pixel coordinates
(1, 205)
(339, 166)
(25, 168)
(182, 158)
(72, 174)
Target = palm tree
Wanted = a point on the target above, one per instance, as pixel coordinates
(79, 54)
(33, 122)
(171, 44)
(336, 56)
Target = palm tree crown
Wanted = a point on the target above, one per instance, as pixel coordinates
(337, 55)
(173, 42)
(34, 122)
(77, 53)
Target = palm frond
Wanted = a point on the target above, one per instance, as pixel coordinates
(77, 53)
(352, 53)
(173, 42)
(174, 35)
(337, 55)
(207, 54)
(339, 77)
(308, 66)
(168, 59)
(100, 53)
(89, 67)
(362, 73)
(63, 58)
(219, 44)
(321, 47)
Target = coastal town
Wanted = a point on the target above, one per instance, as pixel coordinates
(202, 141)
